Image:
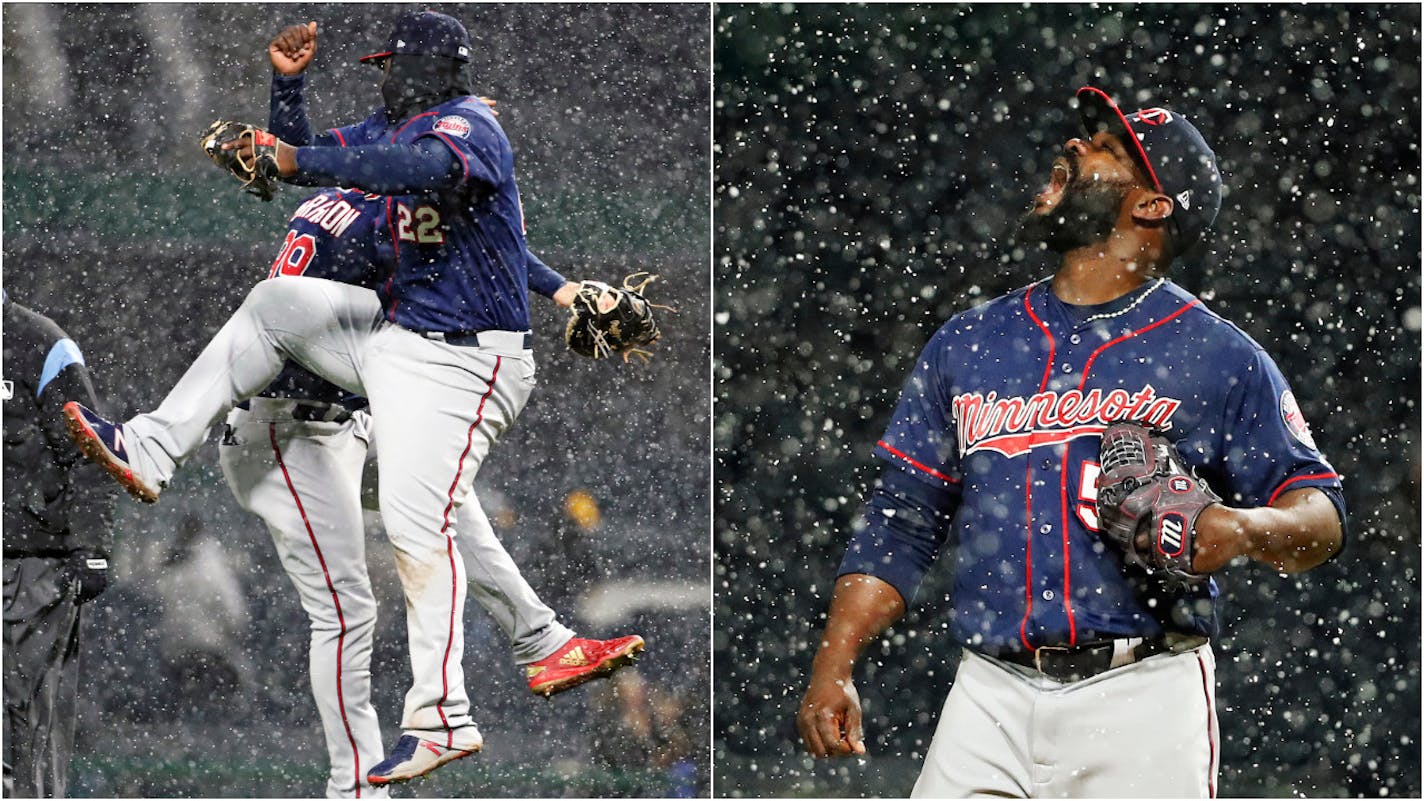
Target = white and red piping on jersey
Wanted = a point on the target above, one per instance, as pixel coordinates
(464, 163)
(922, 466)
(1289, 481)
(1210, 735)
(1063, 472)
(450, 551)
(395, 242)
(335, 600)
(1028, 487)
(408, 122)
(339, 137)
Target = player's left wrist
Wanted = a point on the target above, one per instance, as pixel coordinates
(1221, 535)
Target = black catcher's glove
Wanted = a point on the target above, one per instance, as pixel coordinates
(258, 174)
(1148, 502)
(605, 320)
(86, 575)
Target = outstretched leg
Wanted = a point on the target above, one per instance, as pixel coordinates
(322, 325)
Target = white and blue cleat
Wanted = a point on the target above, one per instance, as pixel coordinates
(103, 443)
(413, 757)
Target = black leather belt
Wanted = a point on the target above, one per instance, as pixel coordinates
(1078, 662)
(463, 338)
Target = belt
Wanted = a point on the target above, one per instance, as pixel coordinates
(500, 340)
(1077, 662)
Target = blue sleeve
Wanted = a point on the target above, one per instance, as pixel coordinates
(287, 116)
(1268, 448)
(901, 531)
(380, 169)
(922, 435)
(542, 278)
(476, 142)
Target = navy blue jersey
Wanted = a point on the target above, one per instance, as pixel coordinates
(332, 234)
(1004, 411)
(342, 235)
(460, 255)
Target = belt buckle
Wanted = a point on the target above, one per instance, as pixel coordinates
(1038, 655)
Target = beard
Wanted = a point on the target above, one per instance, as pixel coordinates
(415, 83)
(1086, 214)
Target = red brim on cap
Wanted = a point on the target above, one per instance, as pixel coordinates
(375, 56)
(1099, 102)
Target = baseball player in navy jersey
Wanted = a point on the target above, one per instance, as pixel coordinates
(1081, 675)
(441, 349)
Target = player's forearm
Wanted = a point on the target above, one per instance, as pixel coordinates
(287, 115)
(382, 169)
(862, 608)
(1301, 530)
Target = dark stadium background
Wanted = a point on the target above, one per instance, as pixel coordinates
(194, 662)
(870, 161)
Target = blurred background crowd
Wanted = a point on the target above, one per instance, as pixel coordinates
(869, 164)
(194, 662)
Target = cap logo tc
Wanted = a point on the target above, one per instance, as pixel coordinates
(1169, 534)
(7, 390)
(1154, 116)
(1185, 198)
(462, 50)
(400, 43)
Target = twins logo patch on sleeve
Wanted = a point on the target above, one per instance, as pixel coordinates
(453, 125)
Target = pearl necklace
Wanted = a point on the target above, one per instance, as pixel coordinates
(1129, 307)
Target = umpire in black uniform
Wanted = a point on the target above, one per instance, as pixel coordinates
(58, 512)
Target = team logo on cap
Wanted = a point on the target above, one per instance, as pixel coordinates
(453, 125)
(1185, 198)
(1154, 116)
(1295, 421)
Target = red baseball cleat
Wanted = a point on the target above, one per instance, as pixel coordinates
(580, 660)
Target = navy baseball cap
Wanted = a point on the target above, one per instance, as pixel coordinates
(1171, 151)
(425, 33)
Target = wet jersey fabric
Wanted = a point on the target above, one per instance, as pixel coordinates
(1003, 414)
(460, 253)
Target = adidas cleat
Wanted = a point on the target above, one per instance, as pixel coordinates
(579, 661)
(103, 443)
(413, 757)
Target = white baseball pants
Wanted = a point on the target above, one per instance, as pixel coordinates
(1145, 730)
(303, 479)
(440, 408)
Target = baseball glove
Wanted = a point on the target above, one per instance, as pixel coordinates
(257, 174)
(605, 320)
(1148, 502)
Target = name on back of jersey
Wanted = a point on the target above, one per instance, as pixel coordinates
(332, 213)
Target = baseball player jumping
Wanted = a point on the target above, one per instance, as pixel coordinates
(441, 349)
(1092, 447)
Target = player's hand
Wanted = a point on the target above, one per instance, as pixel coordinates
(286, 155)
(829, 719)
(491, 103)
(292, 49)
(566, 294)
